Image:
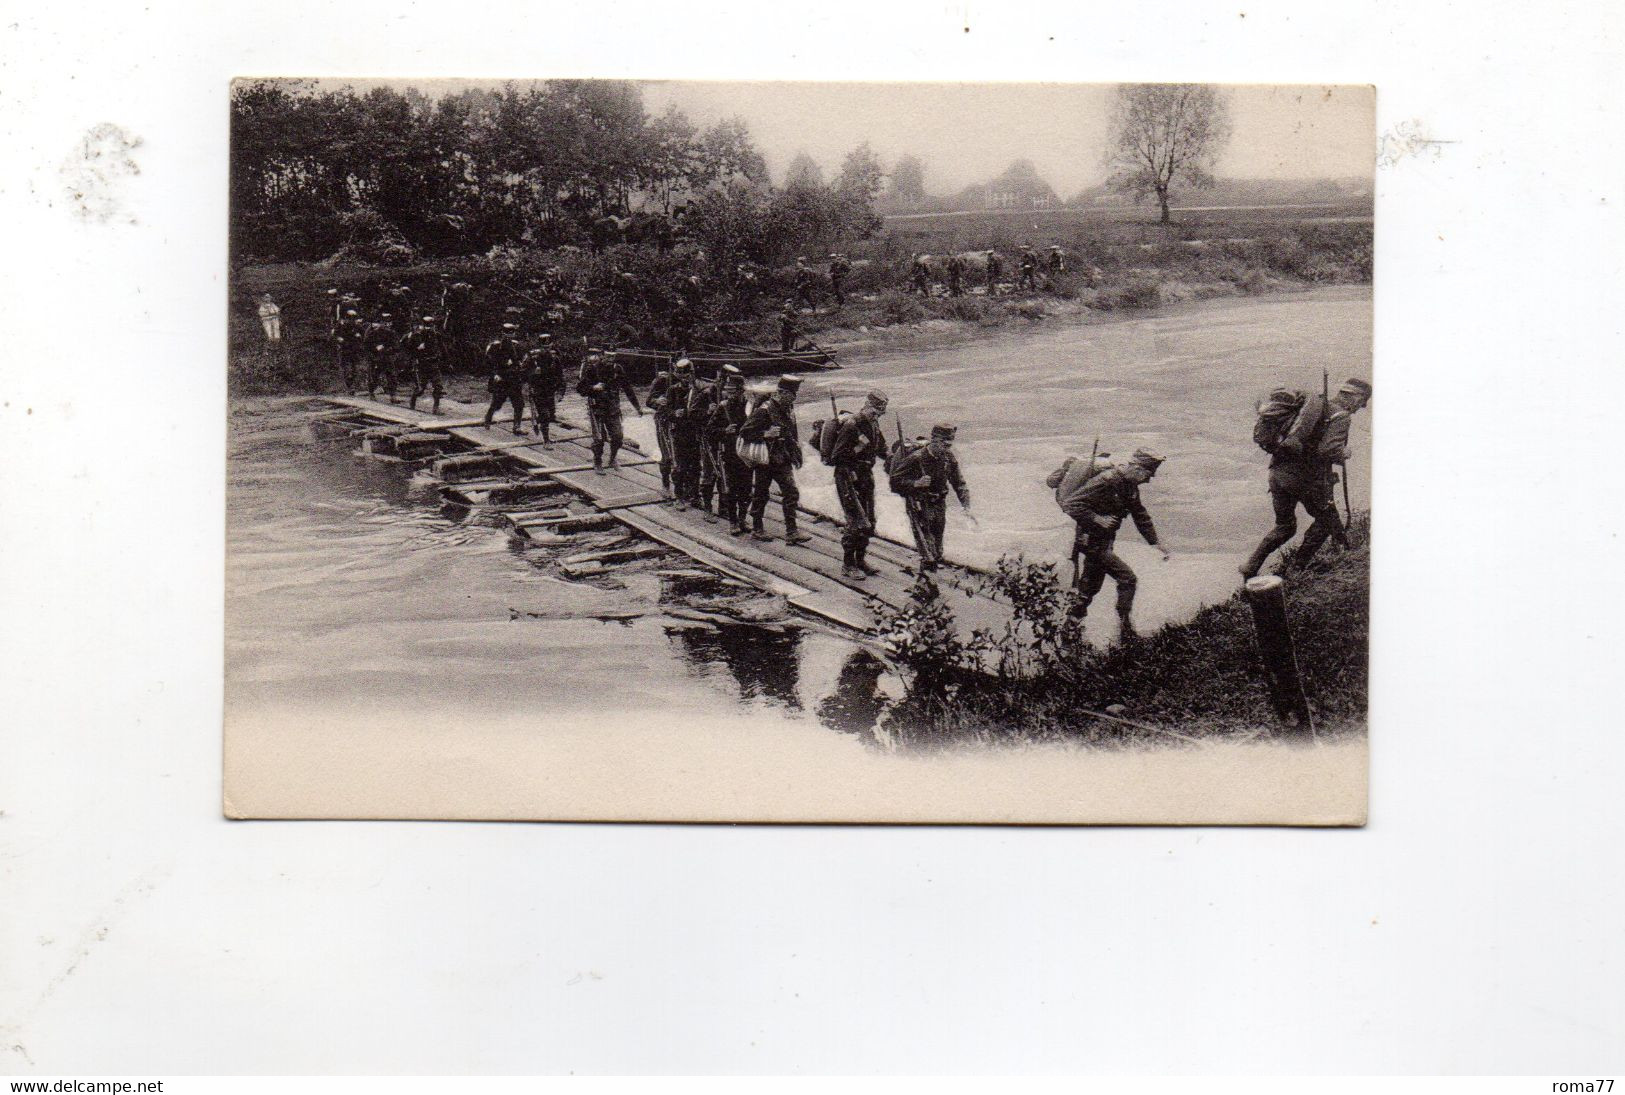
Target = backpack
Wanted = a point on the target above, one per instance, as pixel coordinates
(823, 435)
(1277, 412)
(900, 449)
(1073, 473)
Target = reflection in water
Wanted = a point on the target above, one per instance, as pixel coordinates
(855, 704)
(766, 663)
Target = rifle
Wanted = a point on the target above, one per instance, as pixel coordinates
(1348, 512)
(1094, 453)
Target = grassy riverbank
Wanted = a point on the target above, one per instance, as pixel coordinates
(1201, 679)
(1112, 270)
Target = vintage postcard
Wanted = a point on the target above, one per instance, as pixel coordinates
(799, 452)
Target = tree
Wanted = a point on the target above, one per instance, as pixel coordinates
(803, 173)
(1163, 134)
(908, 181)
(861, 175)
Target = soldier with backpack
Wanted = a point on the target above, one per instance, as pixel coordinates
(773, 424)
(423, 349)
(1305, 436)
(839, 270)
(544, 380)
(956, 275)
(1098, 500)
(923, 475)
(995, 268)
(684, 428)
(857, 444)
(380, 341)
(601, 384)
(733, 474)
(505, 379)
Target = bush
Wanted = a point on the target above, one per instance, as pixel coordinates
(901, 308)
(1139, 292)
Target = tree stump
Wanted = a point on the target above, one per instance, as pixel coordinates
(1267, 598)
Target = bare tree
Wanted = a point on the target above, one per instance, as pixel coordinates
(1163, 134)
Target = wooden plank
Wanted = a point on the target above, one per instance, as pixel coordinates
(641, 498)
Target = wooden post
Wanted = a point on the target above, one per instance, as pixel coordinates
(1267, 597)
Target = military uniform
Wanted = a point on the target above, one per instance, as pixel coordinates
(920, 274)
(839, 270)
(1301, 474)
(544, 380)
(789, 327)
(956, 276)
(602, 384)
(349, 335)
(685, 434)
(506, 379)
(1098, 507)
(1029, 270)
(380, 341)
(804, 285)
(859, 442)
(773, 422)
(995, 267)
(734, 477)
(657, 404)
(700, 405)
(423, 348)
(930, 474)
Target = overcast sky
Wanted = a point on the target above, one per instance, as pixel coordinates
(969, 133)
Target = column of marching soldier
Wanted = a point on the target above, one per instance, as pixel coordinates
(723, 452)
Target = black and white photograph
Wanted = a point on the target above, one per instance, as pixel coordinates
(606, 449)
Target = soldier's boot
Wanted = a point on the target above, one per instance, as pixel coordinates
(849, 565)
(758, 531)
(436, 408)
(412, 402)
(1125, 624)
(614, 453)
(792, 534)
(863, 559)
(597, 455)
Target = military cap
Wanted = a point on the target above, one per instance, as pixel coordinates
(510, 326)
(428, 319)
(789, 383)
(512, 310)
(683, 365)
(730, 369)
(332, 292)
(543, 337)
(942, 431)
(385, 315)
(1355, 386)
(1146, 459)
(877, 397)
(349, 311)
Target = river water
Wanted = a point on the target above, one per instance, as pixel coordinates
(358, 609)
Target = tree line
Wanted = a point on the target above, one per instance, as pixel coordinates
(395, 176)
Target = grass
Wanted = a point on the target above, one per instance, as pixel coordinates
(1201, 679)
(1114, 266)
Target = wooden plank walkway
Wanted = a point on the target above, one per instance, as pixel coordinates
(808, 575)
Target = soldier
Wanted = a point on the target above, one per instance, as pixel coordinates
(685, 434)
(1301, 473)
(920, 274)
(544, 379)
(456, 301)
(1057, 264)
(506, 381)
(380, 341)
(717, 444)
(746, 285)
(1099, 506)
(773, 422)
(927, 473)
(349, 335)
(424, 350)
(804, 284)
(707, 393)
(839, 269)
(956, 274)
(789, 327)
(995, 267)
(602, 383)
(657, 404)
(1029, 269)
(734, 475)
(858, 443)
